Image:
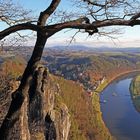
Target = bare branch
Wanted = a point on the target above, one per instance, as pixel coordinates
(81, 23)
(15, 28)
(91, 28)
(46, 14)
(136, 16)
(114, 22)
(12, 14)
(94, 3)
(73, 37)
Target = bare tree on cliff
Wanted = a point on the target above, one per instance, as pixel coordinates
(92, 17)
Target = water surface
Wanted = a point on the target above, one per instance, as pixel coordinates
(119, 114)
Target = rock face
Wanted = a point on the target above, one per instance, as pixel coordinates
(48, 117)
(43, 115)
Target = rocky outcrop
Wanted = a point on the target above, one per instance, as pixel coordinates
(48, 116)
(43, 115)
(62, 122)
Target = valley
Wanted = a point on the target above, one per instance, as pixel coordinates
(80, 76)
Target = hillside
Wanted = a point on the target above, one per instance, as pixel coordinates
(76, 98)
(86, 121)
(72, 90)
(10, 70)
(135, 92)
(91, 69)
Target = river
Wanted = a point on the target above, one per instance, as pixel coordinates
(118, 111)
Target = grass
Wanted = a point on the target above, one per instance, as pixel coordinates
(104, 132)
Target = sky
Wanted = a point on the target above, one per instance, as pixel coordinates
(129, 38)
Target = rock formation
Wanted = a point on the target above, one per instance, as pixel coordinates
(43, 115)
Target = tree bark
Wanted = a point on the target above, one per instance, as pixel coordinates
(10, 125)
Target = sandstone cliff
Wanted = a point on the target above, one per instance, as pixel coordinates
(43, 115)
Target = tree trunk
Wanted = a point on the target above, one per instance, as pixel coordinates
(10, 127)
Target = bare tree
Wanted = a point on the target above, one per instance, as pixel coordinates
(11, 14)
(92, 18)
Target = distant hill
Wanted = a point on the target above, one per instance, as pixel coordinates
(90, 68)
(26, 51)
(93, 49)
(71, 48)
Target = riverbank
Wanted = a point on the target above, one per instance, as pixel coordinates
(103, 132)
(118, 76)
(135, 92)
(118, 110)
(100, 125)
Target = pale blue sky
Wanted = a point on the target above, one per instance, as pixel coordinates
(130, 38)
(39, 5)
